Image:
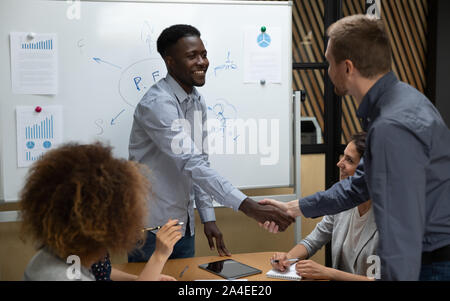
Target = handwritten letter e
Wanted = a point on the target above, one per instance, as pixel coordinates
(74, 10)
(74, 271)
(373, 270)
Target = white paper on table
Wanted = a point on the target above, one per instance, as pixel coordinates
(37, 133)
(34, 63)
(262, 55)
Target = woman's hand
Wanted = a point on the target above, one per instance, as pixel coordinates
(278, 261)
(313, 270)
(166, 238)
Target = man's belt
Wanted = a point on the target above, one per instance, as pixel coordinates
(438, 255)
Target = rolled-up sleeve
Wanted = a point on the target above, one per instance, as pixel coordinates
(158, 119)
(397, 177)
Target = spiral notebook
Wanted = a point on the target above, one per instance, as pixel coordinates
(289, 274)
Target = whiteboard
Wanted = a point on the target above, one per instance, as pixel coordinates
(109, 52)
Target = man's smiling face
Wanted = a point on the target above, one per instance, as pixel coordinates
(187, 62)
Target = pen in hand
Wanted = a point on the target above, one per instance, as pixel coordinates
(159, 227)
(293, 260)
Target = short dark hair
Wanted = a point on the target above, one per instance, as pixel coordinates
(172, 34)
(360, 142)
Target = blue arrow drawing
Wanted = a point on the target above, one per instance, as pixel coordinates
(99, 60)
(112, 120)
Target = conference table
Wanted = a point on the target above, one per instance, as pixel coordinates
(186, 269)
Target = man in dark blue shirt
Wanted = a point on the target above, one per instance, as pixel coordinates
(406, 169)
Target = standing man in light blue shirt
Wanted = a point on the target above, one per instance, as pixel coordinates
(164, 137)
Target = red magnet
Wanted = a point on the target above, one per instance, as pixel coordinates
(38, 109)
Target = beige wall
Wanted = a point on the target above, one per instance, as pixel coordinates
(241, 234)
(312, 180)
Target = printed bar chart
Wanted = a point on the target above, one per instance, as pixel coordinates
(34, 63)
(42, 130)
(37, 132)
(29, 157)
(47, 44)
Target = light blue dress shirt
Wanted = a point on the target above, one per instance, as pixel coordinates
(176, 153)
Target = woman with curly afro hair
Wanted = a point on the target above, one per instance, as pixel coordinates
(80, 200)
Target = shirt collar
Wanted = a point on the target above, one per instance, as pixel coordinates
(179, 92)
(367, 108)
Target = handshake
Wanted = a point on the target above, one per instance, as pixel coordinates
(272, 215)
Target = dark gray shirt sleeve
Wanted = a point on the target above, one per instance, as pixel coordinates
(342, 196)
(399, 194)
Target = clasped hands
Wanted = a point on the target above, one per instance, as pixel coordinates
(273, 215)
(291, 209)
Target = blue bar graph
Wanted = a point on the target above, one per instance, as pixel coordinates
(48, 45)
(29, 157)
(37, 134)
(40, 130)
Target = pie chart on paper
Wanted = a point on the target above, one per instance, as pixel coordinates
(263, 40)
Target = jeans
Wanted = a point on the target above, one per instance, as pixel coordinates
(184, 248)
(436, 271)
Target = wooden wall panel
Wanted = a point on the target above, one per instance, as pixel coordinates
(405, 21)
(308, 47)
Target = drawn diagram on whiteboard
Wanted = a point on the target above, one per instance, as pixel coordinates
(101, 61)
(229, 65)
(80, 45)
(138, 78)
(99, 124)
(263, 40)
(147, 36)
(134, 80)
(222, 111)
(117, 116)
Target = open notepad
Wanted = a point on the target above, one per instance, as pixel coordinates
(289, 274)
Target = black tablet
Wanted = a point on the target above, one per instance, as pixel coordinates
(229, 269)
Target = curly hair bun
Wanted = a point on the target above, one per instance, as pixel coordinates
(79, 198)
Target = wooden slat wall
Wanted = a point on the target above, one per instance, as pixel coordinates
(350, 123)
(406, 21)
(308, 47)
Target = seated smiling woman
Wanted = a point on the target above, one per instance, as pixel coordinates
(79, 200)
(353, 234)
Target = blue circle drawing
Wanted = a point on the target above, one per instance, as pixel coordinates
(47, 144)
(30, 144)
(263, 40)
